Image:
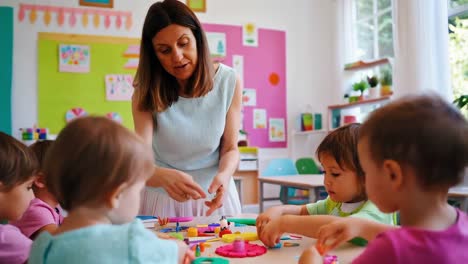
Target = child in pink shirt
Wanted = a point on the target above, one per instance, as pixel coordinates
(412, 151)
(17, 169)
(43, 213)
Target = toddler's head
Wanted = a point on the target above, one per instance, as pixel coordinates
(344, 178)
(17, 168)
(419, 143)
(97, 163)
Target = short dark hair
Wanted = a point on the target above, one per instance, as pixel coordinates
(91, 157)
(156, 89)
(39, 148)
(341, 144)
(17, 162)
(423, 132)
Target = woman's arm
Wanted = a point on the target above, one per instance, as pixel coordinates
(143, 122)
(229, 152)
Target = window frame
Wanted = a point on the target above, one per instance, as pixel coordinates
(376, 14)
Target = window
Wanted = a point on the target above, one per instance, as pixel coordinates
(458, 47)
(372, 29)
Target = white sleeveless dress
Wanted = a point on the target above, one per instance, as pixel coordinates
(187, 138)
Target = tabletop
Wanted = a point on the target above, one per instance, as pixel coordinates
(345, 253)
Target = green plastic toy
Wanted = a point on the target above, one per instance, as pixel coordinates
(210, 260)
(245, 221)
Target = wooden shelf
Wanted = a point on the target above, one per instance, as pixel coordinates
(310, 132)
(340, 106)
(365, 64)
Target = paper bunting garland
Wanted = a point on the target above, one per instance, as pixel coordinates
(96, 15)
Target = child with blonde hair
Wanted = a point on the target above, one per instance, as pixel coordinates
(97, 169)
(344, 182)
(43, 213)
(17, 168)
(412, 151)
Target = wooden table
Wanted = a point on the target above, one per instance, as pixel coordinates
(305, 181)
(345, 253)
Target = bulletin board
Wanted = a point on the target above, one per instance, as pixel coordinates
(263, 76)
(58, 92)
(6, 64)
(264, 70)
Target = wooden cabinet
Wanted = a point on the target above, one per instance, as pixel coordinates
(247, 175)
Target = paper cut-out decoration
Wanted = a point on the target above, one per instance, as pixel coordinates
(61, 12)
(249, 97)
(119, 87)
(259, 118)
(276, 131)
(74, 58)
(217, 44)
(274, 78)
(250, 35)
(75, 113)
(114, 116)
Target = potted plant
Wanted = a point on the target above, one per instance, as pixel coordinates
(242, 141)
(373, 81)
(386, 83)
(361, 87)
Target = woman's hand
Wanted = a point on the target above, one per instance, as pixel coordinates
(219, 186)
(179, 185)
(310, 256)
(265, 217)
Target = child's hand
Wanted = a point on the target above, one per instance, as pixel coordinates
(271, 232)
(186, 255)
(265, 217)
(338, 232)
(310, 256)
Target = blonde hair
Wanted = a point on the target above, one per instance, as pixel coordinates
(93, 156)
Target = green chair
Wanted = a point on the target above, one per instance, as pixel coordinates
(308, 166)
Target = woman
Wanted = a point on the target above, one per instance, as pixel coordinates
(189, 111)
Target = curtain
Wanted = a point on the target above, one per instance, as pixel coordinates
(421, 48)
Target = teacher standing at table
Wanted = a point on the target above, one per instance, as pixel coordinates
(188, 109)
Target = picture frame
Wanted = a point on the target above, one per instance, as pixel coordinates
(98, 3)
(197, 5)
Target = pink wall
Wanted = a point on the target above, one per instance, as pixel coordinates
(259, 62)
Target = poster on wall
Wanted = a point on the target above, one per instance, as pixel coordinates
(249, 97)
(260, 119)
(276, 131)
(250, 35)
(74, 58)
(217, 44)
(119, 87)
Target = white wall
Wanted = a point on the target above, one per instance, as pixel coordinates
(311, 46)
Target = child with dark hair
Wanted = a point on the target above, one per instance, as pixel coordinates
(97, 169)
(412, 151)
(43, 213)
(17, 169)
(344, 182)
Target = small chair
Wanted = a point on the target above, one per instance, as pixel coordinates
(308, 166)
(283, 167)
